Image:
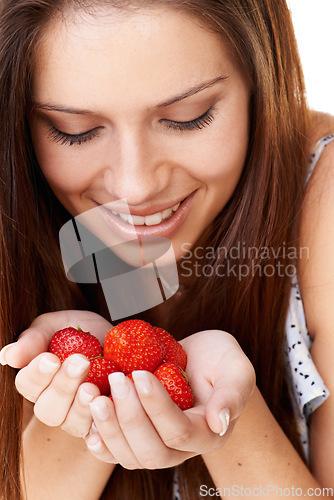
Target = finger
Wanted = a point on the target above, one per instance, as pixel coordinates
(34, 378)
(20, 353)
(35, 339)
(138, 429)
(231, 392)
(109, 429)
(78, 421)
(186, 431)
(53, 404)
(88, 321)
(97, 447)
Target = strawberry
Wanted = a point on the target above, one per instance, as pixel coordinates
(174, 352)
(100, 368)
(71, 341)
(134, 345)
(175, 382)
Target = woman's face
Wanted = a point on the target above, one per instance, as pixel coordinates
(146, 107)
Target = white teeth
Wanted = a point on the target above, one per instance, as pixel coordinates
(149, 220)
(166, 213)
(124, 217)
(136, 220)
(153, 220)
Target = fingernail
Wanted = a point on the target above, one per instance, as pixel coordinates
(99, 409)
(224, 416)
(84, 397)
(94, 443)
(77, 365)
(47, 366)
(93, 428)
(142, 382)
(2, 353)
(118, 385)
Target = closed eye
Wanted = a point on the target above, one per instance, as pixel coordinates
(198, 124)
(70, 139)
(65, 139)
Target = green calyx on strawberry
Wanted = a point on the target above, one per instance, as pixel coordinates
(70, 341)
(134, 345)
(176, 383)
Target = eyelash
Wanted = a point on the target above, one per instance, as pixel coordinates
(70, 139)
(198, 124)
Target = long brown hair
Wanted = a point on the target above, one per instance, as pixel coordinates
(262, 213)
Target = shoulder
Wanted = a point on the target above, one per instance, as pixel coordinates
(321, 184)
(316, 267)
(321, 124)
(316, 279)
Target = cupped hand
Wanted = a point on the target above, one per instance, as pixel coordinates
(36, 338)
(221, 376)
(143, 428)
(58, 391)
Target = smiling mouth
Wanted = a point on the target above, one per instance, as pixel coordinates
(148, 220)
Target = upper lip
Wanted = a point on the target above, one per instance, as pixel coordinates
(144, 211)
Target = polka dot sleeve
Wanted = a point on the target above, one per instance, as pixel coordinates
(307, 387)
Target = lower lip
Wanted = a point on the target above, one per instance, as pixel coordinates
(164, 229)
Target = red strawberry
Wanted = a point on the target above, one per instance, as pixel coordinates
(100, 368)
(134, 345)
(175, 382)
(71, 341)
(174, 352)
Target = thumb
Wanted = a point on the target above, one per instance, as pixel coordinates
(229, 396)
(20, 353)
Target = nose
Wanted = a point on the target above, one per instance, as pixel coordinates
(135, 169)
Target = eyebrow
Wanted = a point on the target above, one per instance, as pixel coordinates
(60, 108)
(190, 92)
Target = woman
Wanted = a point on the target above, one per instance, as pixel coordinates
(159, 103)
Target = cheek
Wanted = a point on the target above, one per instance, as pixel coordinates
(66, 171)
(219, 160)
(219, 153)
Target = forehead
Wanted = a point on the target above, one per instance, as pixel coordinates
(142, 56)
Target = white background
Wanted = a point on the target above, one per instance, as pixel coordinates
(314, 27)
